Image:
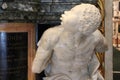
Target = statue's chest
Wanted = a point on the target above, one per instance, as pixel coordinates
(71, 47)
(67, 43)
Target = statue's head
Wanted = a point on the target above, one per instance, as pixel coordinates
(85, 18)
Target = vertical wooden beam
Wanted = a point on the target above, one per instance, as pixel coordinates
(108, 35)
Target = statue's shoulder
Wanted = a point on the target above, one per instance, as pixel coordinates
(52, 35)
(98, 35)
(53, 32)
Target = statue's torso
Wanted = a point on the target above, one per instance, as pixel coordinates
(72, 59)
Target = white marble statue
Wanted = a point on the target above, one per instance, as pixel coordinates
(67, 52)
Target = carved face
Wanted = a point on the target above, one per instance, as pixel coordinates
(84, 18)
(68, 20)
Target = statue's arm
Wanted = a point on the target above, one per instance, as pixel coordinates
(43, 53)
(101, 45)
(45, 49)
(41, 60)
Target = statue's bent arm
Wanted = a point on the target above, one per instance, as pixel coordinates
(45, 49)
(43, 54)
(101, 45)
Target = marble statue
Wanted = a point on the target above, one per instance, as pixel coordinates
(67, 51)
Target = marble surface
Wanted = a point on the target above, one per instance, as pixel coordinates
(67, 51)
